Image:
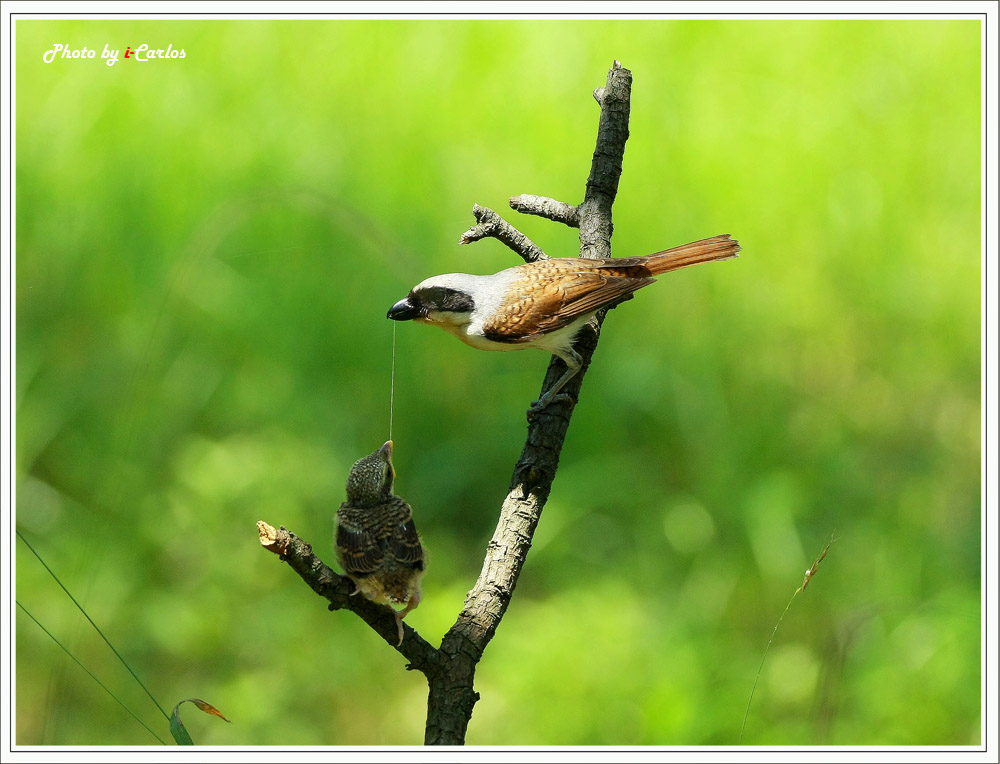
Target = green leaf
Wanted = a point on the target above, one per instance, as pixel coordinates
(177, 728)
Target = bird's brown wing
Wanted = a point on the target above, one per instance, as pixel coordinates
(589, 291)
(358, 550)
(559, 291)
(405, 546)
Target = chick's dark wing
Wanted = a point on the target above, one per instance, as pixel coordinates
(406, 547)
(359, 552)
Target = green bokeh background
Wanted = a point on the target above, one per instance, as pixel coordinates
(206, 249)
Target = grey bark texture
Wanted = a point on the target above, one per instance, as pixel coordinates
(560, 212)
(450, 669)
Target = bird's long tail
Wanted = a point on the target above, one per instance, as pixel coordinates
(720, 247)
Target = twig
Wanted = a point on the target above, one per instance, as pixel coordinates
(491, 224)
(543, 206)
(810, 572)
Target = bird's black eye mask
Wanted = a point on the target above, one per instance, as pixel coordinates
(443, 298)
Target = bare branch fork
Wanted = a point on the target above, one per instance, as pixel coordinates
(450, 669)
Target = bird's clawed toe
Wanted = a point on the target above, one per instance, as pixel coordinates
(399, 626)
(536, 408)
(399, 615)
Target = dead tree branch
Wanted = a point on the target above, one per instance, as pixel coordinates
(451, 698)
(450, 669)
(339, 591)
(491, 224)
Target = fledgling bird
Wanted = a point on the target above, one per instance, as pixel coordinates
(545, 303)
(377, 543)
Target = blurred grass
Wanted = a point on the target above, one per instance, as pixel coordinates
(205, 252)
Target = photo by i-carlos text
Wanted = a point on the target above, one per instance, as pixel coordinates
(111, 55)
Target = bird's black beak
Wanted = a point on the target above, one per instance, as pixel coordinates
(404, 310)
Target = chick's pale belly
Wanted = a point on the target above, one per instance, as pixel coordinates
(393, 584)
